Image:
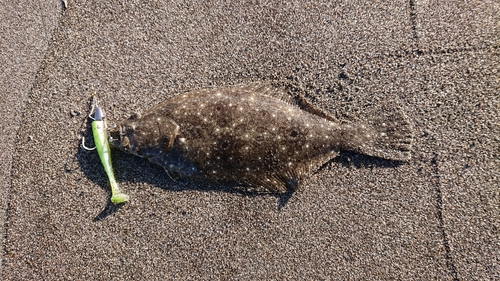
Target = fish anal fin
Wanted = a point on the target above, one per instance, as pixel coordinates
(283, 182)
(290, 179)
(311, 166)
(265, 184)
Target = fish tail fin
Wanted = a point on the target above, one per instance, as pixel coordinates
(391, 133)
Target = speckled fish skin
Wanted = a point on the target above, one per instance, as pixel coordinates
(254, 136)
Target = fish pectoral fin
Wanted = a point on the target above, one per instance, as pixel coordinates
(176, 165)
(169, 130)
(174, 175)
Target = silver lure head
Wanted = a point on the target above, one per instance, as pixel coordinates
(98, 114)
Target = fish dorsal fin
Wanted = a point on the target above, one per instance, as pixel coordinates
(267, 89)
(285, 94)
(291, 95)
(306, 105)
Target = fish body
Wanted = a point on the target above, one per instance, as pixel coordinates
(255, 136)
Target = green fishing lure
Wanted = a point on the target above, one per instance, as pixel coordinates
(102, 145)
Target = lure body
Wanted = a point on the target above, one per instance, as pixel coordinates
(102, 146)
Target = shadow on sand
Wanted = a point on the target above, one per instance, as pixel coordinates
(132, 169)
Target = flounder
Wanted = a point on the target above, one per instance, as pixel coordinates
(256, 136)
